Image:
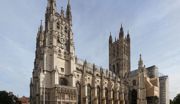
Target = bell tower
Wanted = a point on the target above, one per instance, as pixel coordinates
(119, 54)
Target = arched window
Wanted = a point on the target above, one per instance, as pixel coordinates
(78, 86)
(106, 95)
(134, 82)
(89, 94)
(63, 81)
(58, 25)
(99, 94)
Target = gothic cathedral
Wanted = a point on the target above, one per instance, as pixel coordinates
(59, 77)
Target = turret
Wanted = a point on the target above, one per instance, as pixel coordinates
(128, 37)
(110, 38)
(121, 33)
(68, 13)
(140, 63)
(50, 12)
(40, 36)
(62, 12)
(51, 7)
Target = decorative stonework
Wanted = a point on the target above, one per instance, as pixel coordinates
(59, 77)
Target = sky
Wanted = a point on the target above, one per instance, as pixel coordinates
(154, 27)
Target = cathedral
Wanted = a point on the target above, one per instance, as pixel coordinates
(60, 77)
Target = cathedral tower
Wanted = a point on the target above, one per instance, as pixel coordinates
(119, 54)
(55, 54)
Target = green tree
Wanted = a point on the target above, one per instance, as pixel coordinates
(176, 100)
(8, 98)
(171, 102)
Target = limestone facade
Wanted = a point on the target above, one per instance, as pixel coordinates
(60, 77)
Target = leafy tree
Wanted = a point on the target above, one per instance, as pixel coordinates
(176, 100)
(8, 98)
(171, 102)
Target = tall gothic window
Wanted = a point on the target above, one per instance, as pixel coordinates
(78, 86)
(89, 94)
(99, 94)
(106, 95)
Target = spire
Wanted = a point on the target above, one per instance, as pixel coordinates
(110, 38)
(41, 27)
(128, 37)
(51, 7)
(121, 33)
(140, 64)
(68, 13)
(62, 11)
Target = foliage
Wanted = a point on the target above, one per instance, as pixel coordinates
(176, 100)
(171, 102)
(8, 98)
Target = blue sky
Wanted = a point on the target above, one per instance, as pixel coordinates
(153, 25)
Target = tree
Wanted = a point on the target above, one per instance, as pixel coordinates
(176, 100)
(171, 102)
(8, 98)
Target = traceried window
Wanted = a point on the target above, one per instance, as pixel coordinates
(78, 86)
(89, 94)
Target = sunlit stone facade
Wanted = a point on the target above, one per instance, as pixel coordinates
(60, 77)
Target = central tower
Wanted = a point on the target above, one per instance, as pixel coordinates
(119, 54)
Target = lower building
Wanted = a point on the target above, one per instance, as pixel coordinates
(164, 90)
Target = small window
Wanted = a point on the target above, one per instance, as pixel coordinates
(62, 69)
(58, 25)
(63, 81)
(134, 82)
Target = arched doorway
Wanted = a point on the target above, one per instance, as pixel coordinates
(134, 96)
